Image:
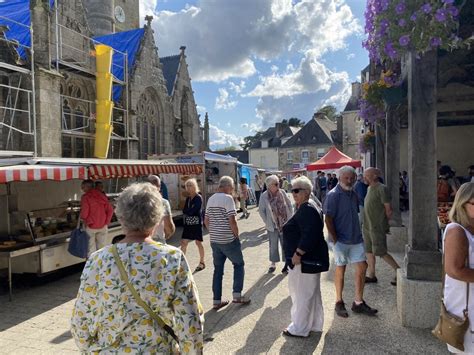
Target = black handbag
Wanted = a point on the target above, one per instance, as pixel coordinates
(191, 220)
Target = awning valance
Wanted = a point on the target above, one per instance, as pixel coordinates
(97, 172)
(40, 172)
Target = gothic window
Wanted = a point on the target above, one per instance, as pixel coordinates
(147, 127)
(77, 100)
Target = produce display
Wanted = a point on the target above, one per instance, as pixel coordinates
(443, 213)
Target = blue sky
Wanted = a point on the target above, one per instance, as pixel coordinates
(256, 62)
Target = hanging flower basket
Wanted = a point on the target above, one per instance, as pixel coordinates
(367, 142)
(395, 27)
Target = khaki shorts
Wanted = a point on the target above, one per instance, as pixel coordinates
(375, 242)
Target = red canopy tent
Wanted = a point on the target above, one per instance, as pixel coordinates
(332, 160)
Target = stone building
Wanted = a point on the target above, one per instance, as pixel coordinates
(265, 152)
(51, 104)
(309, 144)
(352, 126)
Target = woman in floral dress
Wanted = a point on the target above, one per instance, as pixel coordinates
(107, 319)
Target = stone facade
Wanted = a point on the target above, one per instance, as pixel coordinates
(153, 121)
(352, 126)
(301, 155)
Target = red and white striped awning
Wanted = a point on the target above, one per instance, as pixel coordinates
(125, 171)
(40, 172)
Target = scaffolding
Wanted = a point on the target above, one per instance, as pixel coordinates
(75, 52)
(17, 103)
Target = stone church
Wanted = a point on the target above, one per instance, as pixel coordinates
(48, 99)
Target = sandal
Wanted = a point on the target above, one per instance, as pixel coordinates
(200, 267)
(241, 300)
(220, 305)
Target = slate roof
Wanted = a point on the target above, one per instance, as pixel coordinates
(170, 70)
(316, 131)
(241, 155)
(273, 140)
(352, 104)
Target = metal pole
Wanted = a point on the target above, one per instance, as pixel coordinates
(33, 92)
(10, 277)
(56, 29)
(8, 209)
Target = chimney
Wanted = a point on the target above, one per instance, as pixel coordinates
(279, 128)
(356, 89)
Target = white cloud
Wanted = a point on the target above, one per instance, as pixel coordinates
(201, 109)
(224, 38)
(223, 101)
(252, 127)
(350, 56)
(311, 76)
(237, 88)
(220, 138)
(274, 68)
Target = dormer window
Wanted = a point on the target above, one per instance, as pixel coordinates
(264, 143)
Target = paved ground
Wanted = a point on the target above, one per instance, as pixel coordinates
(37, 321)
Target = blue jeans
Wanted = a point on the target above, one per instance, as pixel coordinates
(220, 253)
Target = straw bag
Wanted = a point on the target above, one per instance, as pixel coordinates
(450, 328)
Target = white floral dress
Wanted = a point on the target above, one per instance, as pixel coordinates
(106, 318)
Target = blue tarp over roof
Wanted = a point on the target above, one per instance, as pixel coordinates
(18, 11)
(126, 42)
(170, 69)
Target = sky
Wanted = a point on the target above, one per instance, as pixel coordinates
(256, 62)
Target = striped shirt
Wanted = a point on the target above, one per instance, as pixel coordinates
(220, 207)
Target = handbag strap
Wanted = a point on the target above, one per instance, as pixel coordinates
(137, 297)
(467, 283)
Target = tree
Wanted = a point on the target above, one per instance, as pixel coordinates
(230, 147)
(249, 140)
(330, 111)
(295, 122)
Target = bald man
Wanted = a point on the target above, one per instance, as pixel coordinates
(377, 212)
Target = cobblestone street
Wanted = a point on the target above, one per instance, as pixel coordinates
(37, 320)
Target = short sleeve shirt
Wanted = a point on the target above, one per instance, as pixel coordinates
(220, 207)
(342, 206)
(375, 218)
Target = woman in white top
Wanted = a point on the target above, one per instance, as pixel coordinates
(458, 248)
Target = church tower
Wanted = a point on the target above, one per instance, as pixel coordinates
(109, 16)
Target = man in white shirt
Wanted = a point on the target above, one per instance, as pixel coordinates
(221, 222)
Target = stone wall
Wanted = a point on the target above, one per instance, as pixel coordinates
(351, 133)
(184, 107)
(264, 158)
(148, 75)
(286, 165)
(132, 15)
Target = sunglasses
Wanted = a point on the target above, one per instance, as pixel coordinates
(296, 191)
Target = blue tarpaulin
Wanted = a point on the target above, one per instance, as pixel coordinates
(127, 42)
(18, 11)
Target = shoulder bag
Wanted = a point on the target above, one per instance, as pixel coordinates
(451, 328)
(190, 220)
(79, 242)
(138, 299)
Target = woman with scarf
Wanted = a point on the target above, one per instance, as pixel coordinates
(275, 209)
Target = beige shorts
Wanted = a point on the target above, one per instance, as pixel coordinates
(375, 242)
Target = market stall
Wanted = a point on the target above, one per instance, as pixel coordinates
(40, 201)
(213, 165)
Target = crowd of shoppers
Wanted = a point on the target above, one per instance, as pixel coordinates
(356, 210)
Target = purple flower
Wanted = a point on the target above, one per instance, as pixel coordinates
(453, 10)
(400, 8)
(390, 51)
(402, 22)
(440, 15)
(404, 40)
(384, 4)
(435, 42)
(413, 17)
(384, 24)
(426, 8)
